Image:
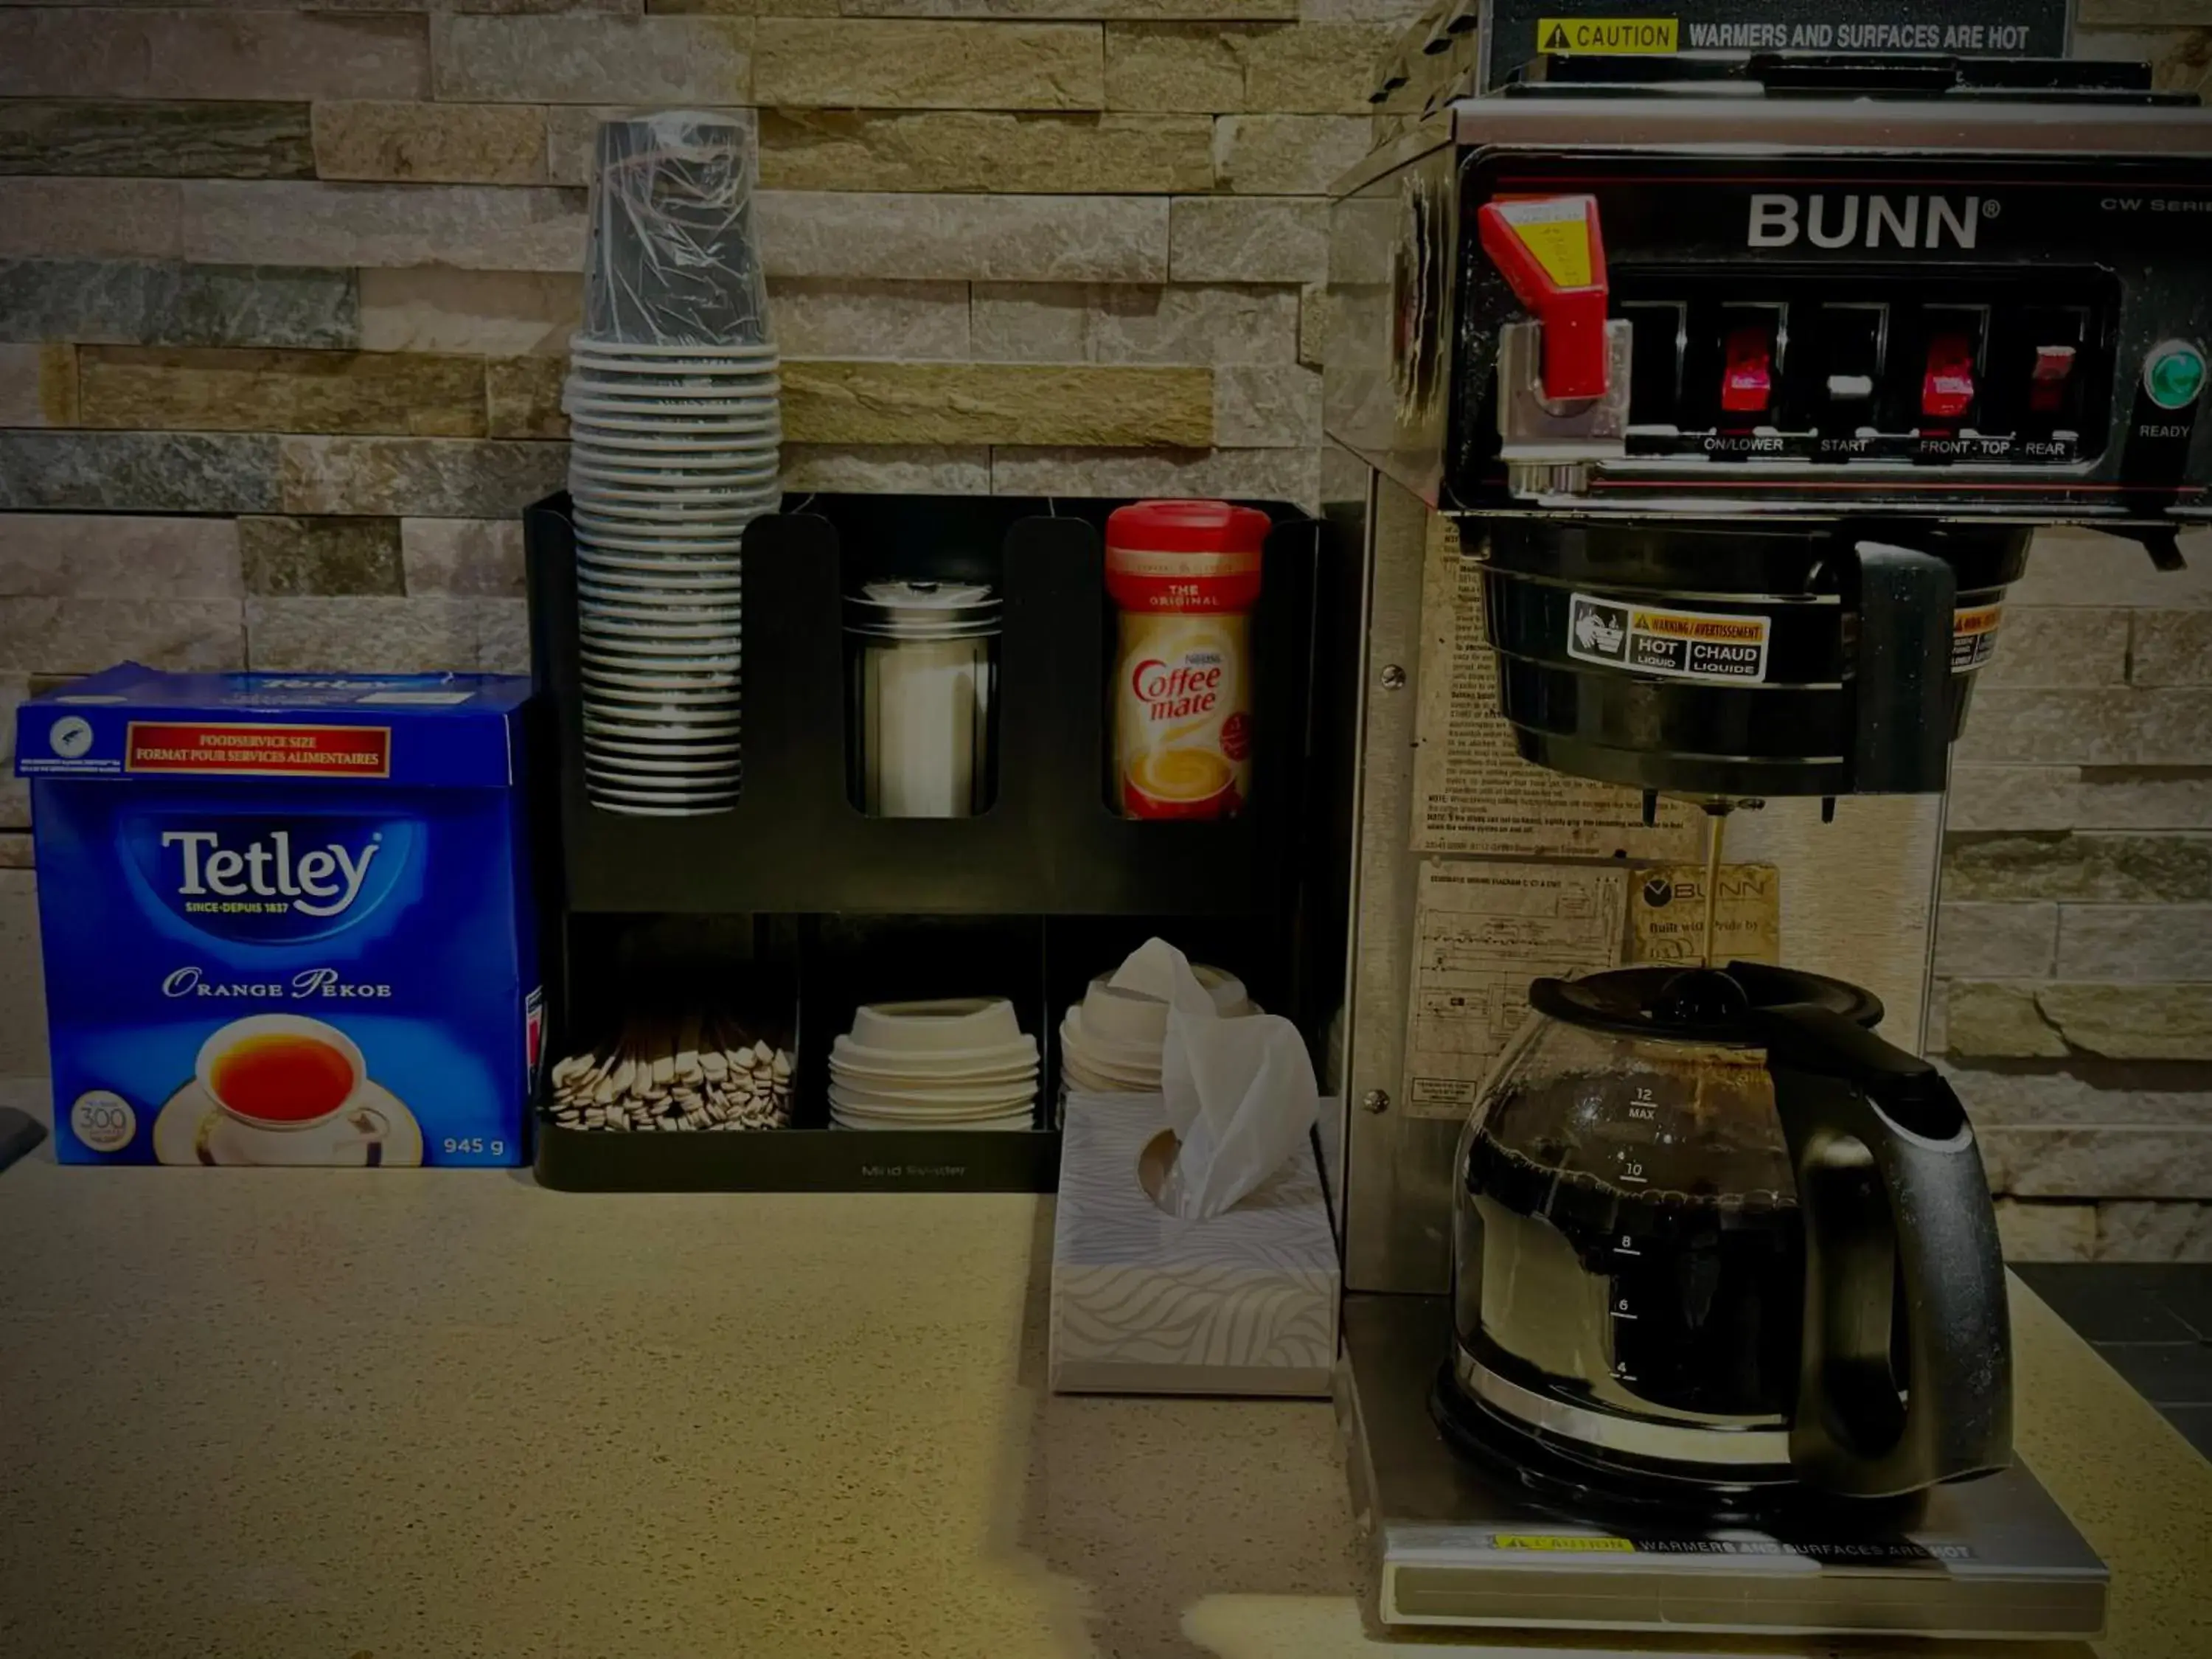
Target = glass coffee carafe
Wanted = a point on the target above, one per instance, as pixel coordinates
(1711, 1233)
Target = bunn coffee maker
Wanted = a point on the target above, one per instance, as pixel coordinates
(1694, 407)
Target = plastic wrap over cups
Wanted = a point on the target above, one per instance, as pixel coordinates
(671, 259)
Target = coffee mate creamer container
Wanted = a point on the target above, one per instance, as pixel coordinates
(286, 918)
(1185, 575)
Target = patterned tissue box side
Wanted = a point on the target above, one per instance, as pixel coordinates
(1145, 1302)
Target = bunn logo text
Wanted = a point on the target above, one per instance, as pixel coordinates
(1833, 220)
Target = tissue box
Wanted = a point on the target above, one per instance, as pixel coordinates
(1147, 1302)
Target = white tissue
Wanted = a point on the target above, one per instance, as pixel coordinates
(1240, 1093)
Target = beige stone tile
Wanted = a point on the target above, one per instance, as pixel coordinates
(2133, 1022)
(823, 317)
(2082, 1094)
(474, 557)
(1998, 1020)
(91, 218)
(117, 555)
(2138, 1163)
(1285, 475)
(430, 143)
(523, 397)
(2067, 798)
(502, 636)
(496, 313)
(883, 64)
(16, 850)
(1266, 406)
(289, 557)
(982, 150)
(38, 386)
(154, 139)
(2133, 1230)
(1315, 320)
(1036, 322)
(2033, 1231)
(1196, 323)
(472, 227)
(668, 62)
(1287, 154)
(79, 635)
(1308, 69)
(149, 388)
(1317, 69)
(2098, 866)
(1015, 238)
(2165, 727)
(2080, 567)
(2058, 646)
(1217, 10)
(22, 981)
(15, 792)
(231, 54)
(887, 469)
(2172, 648)
(1396, 13)
(1995, 941)
(1134, 323)
(571, 134)
(2135, 942)
(1260, 238)
(1179, 67)
(372, 635)
(866, 402)
(429, 478)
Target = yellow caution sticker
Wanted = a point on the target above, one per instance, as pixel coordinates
(1557, 232)
(1614, 37)
(1561, 1543)
(1973, 636)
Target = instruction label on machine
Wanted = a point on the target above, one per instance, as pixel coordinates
(1973, 636)
(1686, 644)
(1471, 791)
(1667, 913)
(1481, 932)
(1517, 32)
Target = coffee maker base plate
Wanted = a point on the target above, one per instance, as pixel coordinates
(1453, 1541)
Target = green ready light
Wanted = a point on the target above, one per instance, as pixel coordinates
(2173, 373)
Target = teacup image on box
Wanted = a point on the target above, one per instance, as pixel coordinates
(288, 919)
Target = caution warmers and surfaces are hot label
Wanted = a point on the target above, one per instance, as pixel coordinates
(1607, 36)
(1690, 645)
(1973, 636)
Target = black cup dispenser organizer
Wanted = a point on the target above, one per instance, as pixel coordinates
(796, 896)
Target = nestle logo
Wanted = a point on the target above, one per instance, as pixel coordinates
(322, 881)
(1834, 220)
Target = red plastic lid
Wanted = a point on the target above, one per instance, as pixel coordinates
(1189, 556)
(1188, 527)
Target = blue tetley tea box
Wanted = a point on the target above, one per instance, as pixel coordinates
(288, 919)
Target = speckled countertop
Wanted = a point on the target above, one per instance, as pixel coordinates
(338, 1416)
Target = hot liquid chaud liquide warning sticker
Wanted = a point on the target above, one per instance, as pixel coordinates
(1691, 645)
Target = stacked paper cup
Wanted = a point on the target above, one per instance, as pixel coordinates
(675, 420)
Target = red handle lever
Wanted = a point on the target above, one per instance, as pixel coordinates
(1550, 252)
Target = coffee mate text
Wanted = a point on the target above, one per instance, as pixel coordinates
(1193, 687)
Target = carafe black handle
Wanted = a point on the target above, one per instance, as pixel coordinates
(1892, 1189)
(1901, 682)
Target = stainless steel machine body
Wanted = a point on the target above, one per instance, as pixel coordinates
(1920, 308)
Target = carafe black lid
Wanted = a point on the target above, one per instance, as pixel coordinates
(1695, 1005)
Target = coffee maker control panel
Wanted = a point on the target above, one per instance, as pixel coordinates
(1977, 303)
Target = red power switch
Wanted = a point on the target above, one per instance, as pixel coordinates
(1550, 251)
(2046, 382)
(1946, 389)
(1748, 374)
